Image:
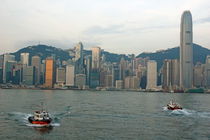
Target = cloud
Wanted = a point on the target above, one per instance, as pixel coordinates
(99, 30)
(202, 20)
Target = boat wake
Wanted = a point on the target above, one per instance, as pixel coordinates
(22, 118)
(187, 112)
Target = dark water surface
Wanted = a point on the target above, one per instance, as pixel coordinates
(104, 115)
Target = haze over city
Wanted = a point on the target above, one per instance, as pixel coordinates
(119, 26)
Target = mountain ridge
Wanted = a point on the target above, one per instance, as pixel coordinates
(199, 54)
(44, 51)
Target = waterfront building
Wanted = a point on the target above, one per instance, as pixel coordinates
(141, 73)
(70, 75)
(17, 73)
(198, 75)
(207, 72)
(123, 66)
(36, 62)
(24, 58)
(102, 76)
(170, 74)
(60, 76)
(9, 70)
(108, 81)
(88, 60)
(80, 81)
(127, 82)
(96, 58)
(28, 75)
(7, 58)
(119, 84)
(49, 73)
(115, 73)
(186, 52)
(131, 82)
(151, 74)
(1, 68)
(94, 78)
(1, 75)
(79, 60)
(42, 73)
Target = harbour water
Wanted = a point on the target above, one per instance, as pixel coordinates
(102, 115)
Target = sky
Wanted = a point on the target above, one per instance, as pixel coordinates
(119, 26)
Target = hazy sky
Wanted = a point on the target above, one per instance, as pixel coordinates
(120, 26)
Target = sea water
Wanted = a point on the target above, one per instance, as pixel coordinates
(95, 115)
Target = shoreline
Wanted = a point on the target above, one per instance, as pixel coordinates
(123, 90)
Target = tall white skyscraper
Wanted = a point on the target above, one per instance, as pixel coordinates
(186, 53)
(151, 74)
(96, 57)
(24, 58)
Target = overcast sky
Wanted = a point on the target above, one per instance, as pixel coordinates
(120, 26)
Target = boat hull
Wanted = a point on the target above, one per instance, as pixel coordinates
(174, 108)
(41, 122)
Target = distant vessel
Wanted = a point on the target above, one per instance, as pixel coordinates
(178, 91)
(173, 106)
(40, 117)
(195, 90)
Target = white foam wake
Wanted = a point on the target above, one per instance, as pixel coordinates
(23, 118)
(188, 112)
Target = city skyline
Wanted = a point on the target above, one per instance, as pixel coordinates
(140, 25)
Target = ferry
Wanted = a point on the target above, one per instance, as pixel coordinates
(40, 117)
(173, 106)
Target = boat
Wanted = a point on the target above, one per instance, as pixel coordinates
(40, 117)
(195, 90)
(173, 106)
(178, 91)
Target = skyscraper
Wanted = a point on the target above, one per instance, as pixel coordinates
(28, 75)
(7, 58)
(49, 73)
(170, 74)
(207, 72)
(70, 75)
(24, 58)
(79, 62)
(36, 62)
(151, 74)
(80, 81)
(186, 53)
(115, 73)
(198, 75)
(1, 68)
(88, 60)
(96, 66)
(79, 51)
(60, 76)
(96, 57)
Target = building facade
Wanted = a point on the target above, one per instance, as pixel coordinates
(70, 75)
(24, 58)
(151, 74)
(186, 52)
(49, 73)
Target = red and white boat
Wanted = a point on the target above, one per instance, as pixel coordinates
(40, 117)
(173, 106)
